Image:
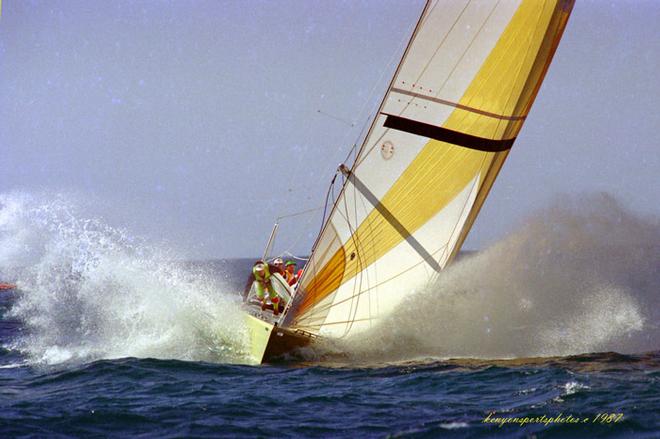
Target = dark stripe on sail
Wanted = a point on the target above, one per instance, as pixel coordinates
(446, 135)
(390, 218)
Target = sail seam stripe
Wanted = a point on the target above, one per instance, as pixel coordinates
(326, 307)
(456, 105)
(359, 256)
(339, 323)
(442, 42)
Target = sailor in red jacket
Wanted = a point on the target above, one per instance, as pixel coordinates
(290, 273)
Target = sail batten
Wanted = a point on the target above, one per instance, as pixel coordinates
(452, 111)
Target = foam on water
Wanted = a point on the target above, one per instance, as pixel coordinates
(581, 276)
(90, 291)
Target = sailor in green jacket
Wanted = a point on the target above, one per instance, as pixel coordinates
(261, 276)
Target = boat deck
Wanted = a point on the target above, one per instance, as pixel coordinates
(253, 307)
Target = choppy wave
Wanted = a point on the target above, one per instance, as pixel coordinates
(90, 291)
(147, 397)
(581, 276)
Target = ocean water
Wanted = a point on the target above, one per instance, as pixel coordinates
(551, 332)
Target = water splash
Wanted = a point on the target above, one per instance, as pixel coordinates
(90, 291)
(580, 276)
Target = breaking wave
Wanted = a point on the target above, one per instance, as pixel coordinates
(581, 276)
(90, 291)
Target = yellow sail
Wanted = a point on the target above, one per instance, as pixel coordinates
(448, 120)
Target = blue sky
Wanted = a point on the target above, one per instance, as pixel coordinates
(196, 122)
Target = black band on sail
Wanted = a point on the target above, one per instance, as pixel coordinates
(447, 135)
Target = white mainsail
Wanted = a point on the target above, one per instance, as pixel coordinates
(456, 103)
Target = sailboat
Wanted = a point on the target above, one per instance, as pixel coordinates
(451, 113)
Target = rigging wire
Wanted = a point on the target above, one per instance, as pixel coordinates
(361, 274)
(327, 196)
(293, 215)
(277, 220)
(288, 252)
(337, 118)
(367, 123)
(291, 255)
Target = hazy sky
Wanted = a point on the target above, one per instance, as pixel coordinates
(197, 122)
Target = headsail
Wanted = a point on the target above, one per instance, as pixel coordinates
(450, 115)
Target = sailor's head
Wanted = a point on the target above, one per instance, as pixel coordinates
(278, 262)
(259, 266)
(290, 266)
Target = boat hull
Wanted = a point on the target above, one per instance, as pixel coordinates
(269, 342)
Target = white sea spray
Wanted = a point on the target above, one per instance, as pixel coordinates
(580, 276)
(90, 291)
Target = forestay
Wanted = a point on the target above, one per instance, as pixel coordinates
(456, 103)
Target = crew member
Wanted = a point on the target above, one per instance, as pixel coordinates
(279, 266)
(261, 277)
(290, 273)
